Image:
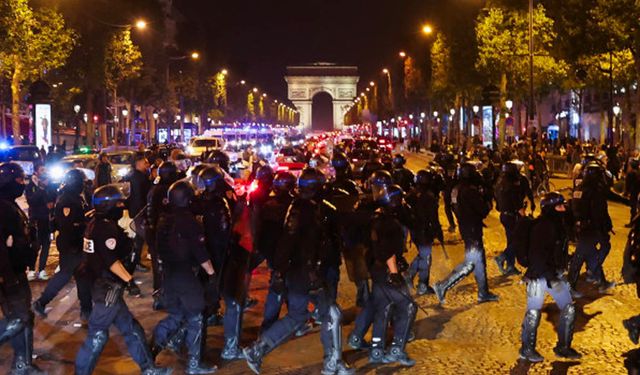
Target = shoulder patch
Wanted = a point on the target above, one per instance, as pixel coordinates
(111, 243)
(87, 246)
(66, 211)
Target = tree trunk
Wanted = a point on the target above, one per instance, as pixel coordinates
(503, 111)
(15, 103)
(90, 129)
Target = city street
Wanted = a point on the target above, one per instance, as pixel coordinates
(459, 338)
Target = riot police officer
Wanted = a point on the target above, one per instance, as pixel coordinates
(181, 247)
(450, 180)
(511, 190)
(546, 259)
(373, 164)
(632, 187)
(389, 288)
(16, 253)
(216, 218)
(271, 219)
(401, 175)
(107, 249)
(471, 207)
(156, 205)
(70, 220)
(593, 224)
(305, 247)
(426, 228)
(343, 169)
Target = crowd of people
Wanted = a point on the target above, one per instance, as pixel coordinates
(205, 237)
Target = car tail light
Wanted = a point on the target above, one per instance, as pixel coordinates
(282, 168)
(355, 160)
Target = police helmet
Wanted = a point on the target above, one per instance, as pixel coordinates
(510, 169)
(210, 177)
(467, 171)
(168, 172)
(551, 200)
(264, 175)
(395, 196)
(634, 163)
(340, 162)
(180, 194)
(310, 182)
(106, 197)
(9, 171)
(424, 177)
(592, 171)
(284, 182)
(379, 182)
(74, 181)
(398, 161)
(220, 158)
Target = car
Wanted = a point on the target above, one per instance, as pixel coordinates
(361, 152)
(26, 156)
(121, 163)
(198, 145)
(85, 162)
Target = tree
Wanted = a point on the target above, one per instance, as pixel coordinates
(441, 80)
(502, 36)
(123, 61)
(31, 44)
(415, 89)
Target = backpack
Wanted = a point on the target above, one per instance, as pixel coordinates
(521, 239)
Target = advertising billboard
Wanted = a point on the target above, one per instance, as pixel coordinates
(42, 125)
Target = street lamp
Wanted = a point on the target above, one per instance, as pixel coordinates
(509, 104)
(372, 83)
(616, 109)
(195, 55)
(452, 112)
(255, 89)
(476, 109)
(385, 71)
(427, 29)
(243, 82)
(155, 115)
(125, 112)
(141, 24)
(76, 109)
(435, 113)
(224, 72)
(402, 54)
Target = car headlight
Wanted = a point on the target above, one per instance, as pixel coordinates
(122, 172)
(56, 173)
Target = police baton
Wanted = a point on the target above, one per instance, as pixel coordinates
(407, 297)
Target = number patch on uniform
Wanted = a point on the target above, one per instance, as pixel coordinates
(577, 194)
(110, 243)
(87, 246)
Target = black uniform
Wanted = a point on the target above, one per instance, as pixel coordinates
(403, 177)
(105, 243)
(16, 253)
(39, 198)
(71, 222)
(471, 207)
(156, 205)
(632, 188)
(181, 247)
(140, 186)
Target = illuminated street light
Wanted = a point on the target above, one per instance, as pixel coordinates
(372, 83)
(195, 55)
(155, 115)
(141, 24)
(224, 72)
(368, 89)
(243, 82)
(255, 89)
(435, 113)
(427, 29)
(76, 109)
(452, 111)
(264, 95)
(385, 71)
(178, 117)
(362, 95)
(423, 115)
(476, 109)
(402, 54)
(616, 109)
(125, 112)
(509, 104)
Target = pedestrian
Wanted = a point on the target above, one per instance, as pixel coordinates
(140, 184)
(471, 207)
(546, 261)
(16, 254)
(103, 170)
(107, 249)
(306, 246)
(41, 201)
(181, 247)
(69, 214)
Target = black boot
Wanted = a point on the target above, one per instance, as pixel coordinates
(376, 355)
(231, 350)
(500, 261)
(22, 362)
(14, 327)
(423, 284)
(484, 295)
(363, 292)
(177, 340)
(458, 273)
(632, 327)
(195, 366)
(333, 363)
(357, 343)
(565, 333)
(529, 336)
(397, 354)
(254, 355)
(39, 309)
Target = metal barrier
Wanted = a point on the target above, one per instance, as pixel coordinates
(558, 165)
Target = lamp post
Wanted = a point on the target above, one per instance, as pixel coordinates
(194, 56)
(616, 110)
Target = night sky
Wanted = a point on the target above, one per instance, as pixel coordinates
(257, 39)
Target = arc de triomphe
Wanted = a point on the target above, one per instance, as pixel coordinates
(306, 81)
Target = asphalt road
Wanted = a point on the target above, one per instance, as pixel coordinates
(461, 337)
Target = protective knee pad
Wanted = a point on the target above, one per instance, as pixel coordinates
(99, 340)
(335, 315)
(14, 327)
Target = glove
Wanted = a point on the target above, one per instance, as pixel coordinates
(395, 280)
(402, 264)
(113, 294)
(277, 283)
(134, 290)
